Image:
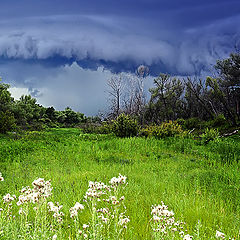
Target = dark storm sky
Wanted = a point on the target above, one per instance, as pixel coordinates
(63, 52)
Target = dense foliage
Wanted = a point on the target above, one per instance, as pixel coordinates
(125, 126)
(26, 113)
(217, 97)
(166, 129)
(7, 121)
(172, 98)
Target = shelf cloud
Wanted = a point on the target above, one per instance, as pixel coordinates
(38, 41)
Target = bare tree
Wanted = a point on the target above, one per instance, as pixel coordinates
(116, 85)
(129, 94)
(141, 73)
(134, 98)
(126, 92)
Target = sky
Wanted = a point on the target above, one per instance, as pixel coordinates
(62, 52)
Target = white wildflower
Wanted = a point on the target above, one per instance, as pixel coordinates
(56, 211)
(21, 211)
(54, 237)
(104, 219)
(1, 177)
(8, 198)
(115, 181)
(220, 235)
(156, 218)
(43, 187)
(41, 190)
(122, 198)
(187, 237)
(124, 221)
(181, 233)
(85, 226)
(96, 190)
(103, 210)
(74, 210)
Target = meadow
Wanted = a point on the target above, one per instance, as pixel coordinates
(199, 183)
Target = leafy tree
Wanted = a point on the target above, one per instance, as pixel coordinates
(68, 117)
(51, 113)
(166, 101)
(7, 121)
(229, 83)
(71, 117)
(6, 101)
(27, 111)
(219, 96)
(229, 71)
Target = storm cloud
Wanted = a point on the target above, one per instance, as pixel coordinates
(49, 46)
(109, 39)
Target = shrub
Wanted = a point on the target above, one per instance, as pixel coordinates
(7, 122)
(104, 128)
(166, 129)
(125, 126)
(180, 121)
(209, 134)
(219, 121)
(192, 123)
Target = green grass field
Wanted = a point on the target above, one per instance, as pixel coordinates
(200, 183)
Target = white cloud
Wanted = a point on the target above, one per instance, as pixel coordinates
(83, 90)
(78, 88)
(17, 92)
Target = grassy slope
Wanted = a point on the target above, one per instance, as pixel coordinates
(191, 179)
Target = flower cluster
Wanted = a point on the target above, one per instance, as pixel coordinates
(163, 222)
(104, 214)
(106, 204)
(8, 198)
(187, 237)
(221, 235)
(96, 190)
(109, 214)
(43, 187)
(74, 210)
(56, 210)
(123, 220)
(115, 181)
(41, 190)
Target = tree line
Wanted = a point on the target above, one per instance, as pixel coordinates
(172, 98)
(26, 113)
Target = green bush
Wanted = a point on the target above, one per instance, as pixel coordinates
(209, 134)
(192, 123)
(125, 126)
(219, 121)
(7, 122)
(166, 129)
(180, 121)
(98, 128)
